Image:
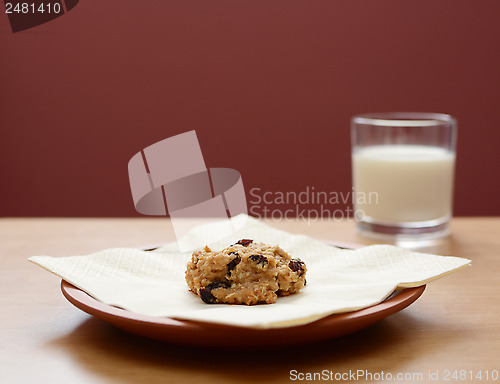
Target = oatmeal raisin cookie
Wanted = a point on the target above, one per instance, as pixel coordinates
(244, 273)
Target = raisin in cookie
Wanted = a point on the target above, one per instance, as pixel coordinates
(244, 273)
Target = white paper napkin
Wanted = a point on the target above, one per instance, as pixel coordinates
(152, 283)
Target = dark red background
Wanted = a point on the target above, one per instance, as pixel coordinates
(269, 87)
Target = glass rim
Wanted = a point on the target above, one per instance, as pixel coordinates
(404, 119)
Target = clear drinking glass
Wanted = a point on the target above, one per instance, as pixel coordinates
(403, 170)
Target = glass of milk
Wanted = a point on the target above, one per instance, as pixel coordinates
(403, 168)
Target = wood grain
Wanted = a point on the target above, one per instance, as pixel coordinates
(454, 325)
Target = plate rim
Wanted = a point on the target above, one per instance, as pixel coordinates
(206, 334)
(86, 303)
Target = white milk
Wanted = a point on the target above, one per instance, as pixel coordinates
(411, 182)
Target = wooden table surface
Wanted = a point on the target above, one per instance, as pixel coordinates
(452, 332)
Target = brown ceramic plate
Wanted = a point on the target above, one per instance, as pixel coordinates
(201, 334)
(217, 335)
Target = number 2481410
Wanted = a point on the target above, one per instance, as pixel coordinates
(32, 8)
